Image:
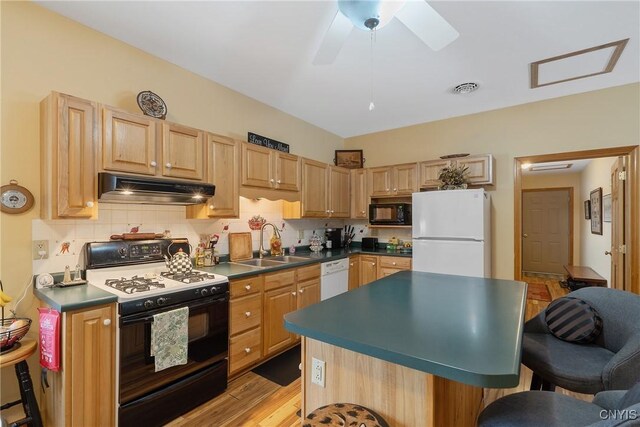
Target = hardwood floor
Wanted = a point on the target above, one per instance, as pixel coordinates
(253, 401)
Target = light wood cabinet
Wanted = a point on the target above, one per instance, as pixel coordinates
(390, 265)
(308, 285)
(222, 171)
(267, 168)
(339, 200)
(87, 373)
(368, 269)
(69, 148)
(354, 272)
(129, 142)
(359, 195)
(279, 299)
(245, 322)
(396, 180)
(183, 153)
(481, 170)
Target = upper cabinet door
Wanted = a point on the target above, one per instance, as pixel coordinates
(69, 148)
(129, 142)
(287, 169)
(480, 168)
(339, 200)
(182, 152)
(257, 166)
(405, 179)
(359, 195)
(314, 189)
(429, 172)
(223, 173)
(380, 181)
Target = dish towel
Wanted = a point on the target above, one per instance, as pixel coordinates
(170, 338)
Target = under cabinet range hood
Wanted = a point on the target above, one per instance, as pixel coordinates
(114, 188)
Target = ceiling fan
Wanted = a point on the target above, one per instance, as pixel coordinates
(371, 15)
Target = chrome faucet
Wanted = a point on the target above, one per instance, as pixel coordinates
(262, 252)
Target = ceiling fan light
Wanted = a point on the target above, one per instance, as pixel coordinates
(361, 11)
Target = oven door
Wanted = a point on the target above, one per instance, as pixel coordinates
(208, 344)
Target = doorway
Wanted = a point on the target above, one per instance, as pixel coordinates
(626, 208)
(547, 230)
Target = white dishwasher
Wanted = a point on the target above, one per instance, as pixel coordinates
(334, 278)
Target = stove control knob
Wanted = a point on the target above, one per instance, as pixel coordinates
(204, 292)
(122, 251)
(161, 301)
(214, 289)
(148, 303)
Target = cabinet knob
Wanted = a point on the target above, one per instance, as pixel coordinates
(168, 165)
(373, 263)
(212, 207)
(272, 180)
(327, 211)
(293, 293)
(332, 211)
(247, 314)
(393, 263)
(301, 290)
(387, 189)
(351, 264)
(278, 181)
(89, 204)
(362, 212)
(247, 350)
(153, 163)
(395, 190)
(607, 253)
(248, 287)
(106, 322)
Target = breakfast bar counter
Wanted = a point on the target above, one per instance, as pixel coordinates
(436, 339)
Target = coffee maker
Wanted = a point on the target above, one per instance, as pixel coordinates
(333, 237)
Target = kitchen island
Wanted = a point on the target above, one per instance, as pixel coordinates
(415, 347)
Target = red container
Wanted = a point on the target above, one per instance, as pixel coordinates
(49, 339)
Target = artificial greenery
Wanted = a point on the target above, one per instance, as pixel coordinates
(454, 176)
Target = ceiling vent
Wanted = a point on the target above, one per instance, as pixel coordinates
(550, 167)
(465, 88)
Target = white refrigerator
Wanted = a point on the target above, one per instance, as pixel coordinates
(451, 232)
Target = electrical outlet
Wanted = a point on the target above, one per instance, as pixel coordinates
(300, 234)
(40, 249)
(317, 371)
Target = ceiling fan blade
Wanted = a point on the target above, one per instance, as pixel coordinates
(427, 24)
(333, 40)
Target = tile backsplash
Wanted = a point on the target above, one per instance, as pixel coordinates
(66, 237)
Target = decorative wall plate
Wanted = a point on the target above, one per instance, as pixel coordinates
(14, 198)
(152, 105)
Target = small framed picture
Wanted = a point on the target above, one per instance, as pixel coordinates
(351, 159)
(606, 208)
(587, 209)
(596, 211)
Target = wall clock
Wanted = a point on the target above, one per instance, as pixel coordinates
(14, 198)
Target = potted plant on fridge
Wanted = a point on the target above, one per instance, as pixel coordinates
(453, 177)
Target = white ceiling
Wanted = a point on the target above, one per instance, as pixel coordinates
(264, 49)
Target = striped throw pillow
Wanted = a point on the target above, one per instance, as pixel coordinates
(573, 320)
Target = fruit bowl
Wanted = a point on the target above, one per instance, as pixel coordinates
(13, 330)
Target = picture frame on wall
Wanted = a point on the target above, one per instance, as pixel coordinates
(595, 197)
(606, 208)
(587, 209)
(350, 159)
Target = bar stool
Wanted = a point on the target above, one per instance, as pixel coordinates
(18, 357)
(344, 414)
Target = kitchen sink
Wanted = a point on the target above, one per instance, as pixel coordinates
(289, 258)
(257, 262)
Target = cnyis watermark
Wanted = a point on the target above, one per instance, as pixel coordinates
(619, 414)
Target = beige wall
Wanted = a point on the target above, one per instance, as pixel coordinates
(556, 180)
(605, 118)
(42, 51)
(597, 174)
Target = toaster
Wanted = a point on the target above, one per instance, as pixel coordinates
(369, 244)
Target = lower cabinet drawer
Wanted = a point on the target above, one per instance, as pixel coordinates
(244, 349)
(401, 263)
(384, 272)
(245, 313)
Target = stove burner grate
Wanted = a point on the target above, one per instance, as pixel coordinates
(189, 277)
(133, 285)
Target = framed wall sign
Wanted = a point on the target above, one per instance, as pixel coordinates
(263, 141)
(587, 209)
(351, 159)
(596, 211)
(606, 208)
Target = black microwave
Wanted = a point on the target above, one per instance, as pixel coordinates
(390, 213)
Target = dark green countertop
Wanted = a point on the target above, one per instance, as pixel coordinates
(465, 329)
(76, 297)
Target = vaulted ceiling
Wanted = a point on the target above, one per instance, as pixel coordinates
(265, 49)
